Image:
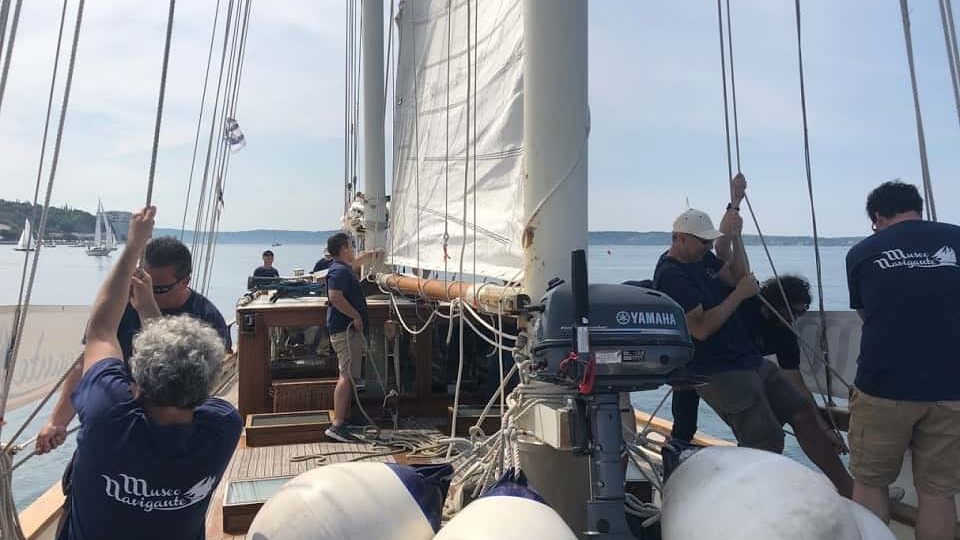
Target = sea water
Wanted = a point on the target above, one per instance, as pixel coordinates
(67, 276)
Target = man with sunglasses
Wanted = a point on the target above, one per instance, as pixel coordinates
(750, 394)
(153, 442)
(167, 266)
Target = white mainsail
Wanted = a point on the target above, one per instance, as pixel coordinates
(24, 243)
(427, 202)
(111, 243)
(98, 229)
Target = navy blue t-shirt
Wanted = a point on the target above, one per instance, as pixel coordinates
(340, 277)
(263, 271)
(322, 264)
(133, 478)
(770, 335)
(907, 282)
(196, 306)
(699, 284)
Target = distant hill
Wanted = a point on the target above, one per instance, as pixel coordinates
(61, 222)
(67, 222)
(263, 237)
(630, 238)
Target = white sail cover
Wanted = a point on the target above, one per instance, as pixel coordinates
(51, 343)
(431, 134)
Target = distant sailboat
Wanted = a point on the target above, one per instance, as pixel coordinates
(104, 241)
(26, 242)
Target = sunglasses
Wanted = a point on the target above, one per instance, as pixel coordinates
(164, 289)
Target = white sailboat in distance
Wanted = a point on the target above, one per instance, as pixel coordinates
(25, 242)
(104, 241)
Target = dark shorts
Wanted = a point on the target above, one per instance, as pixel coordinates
(755, 403)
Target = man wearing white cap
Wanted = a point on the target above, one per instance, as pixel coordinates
(749, 393)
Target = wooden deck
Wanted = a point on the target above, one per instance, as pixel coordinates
(272, 461)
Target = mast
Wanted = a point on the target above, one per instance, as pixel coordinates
(556, 125)
(374, 168)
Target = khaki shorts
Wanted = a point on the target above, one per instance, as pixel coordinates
(881, 431)
(755, 403)
(349, 348)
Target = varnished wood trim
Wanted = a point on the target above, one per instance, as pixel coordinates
(39, 517)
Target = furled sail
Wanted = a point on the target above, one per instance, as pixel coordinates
(51, 343)
(432, 137)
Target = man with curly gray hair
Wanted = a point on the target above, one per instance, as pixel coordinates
(155, 440)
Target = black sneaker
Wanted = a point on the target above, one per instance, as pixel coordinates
(360, 384)
(339, 434)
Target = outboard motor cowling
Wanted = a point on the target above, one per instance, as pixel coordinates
(638, 336)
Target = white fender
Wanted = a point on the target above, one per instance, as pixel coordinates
(345, 501)
(871, 528)
(747, 494)
(506, 518)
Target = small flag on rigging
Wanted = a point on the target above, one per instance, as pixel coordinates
(234, 136)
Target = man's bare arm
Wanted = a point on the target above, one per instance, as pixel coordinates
(704, 323)
(101, 336)
(54, 433)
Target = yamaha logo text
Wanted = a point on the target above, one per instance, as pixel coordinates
(646, 317)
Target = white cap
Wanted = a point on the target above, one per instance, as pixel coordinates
(696, 223)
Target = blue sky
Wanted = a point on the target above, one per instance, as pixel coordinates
(656, 110)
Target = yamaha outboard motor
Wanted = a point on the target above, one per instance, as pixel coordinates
(606, 339)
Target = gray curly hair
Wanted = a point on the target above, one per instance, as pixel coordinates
(175, 361)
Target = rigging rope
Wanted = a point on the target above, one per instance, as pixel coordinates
(163, 91)
(921, 138)
(950, 39)
(43, 152)
(201, 204)
(446, 157)
(203, 101)
(813, 210)
(733, 86)
(213, 196)
(466, 180)
(4, 15)
(828, 400)
(10, 360)
(9, 54)
(954, 48)
(222, 159)
(726, 106)
(9, 520)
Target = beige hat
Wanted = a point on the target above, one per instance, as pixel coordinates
(696, 223)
